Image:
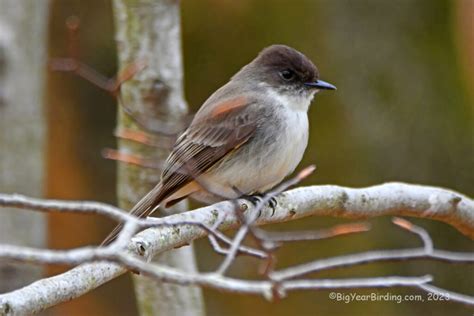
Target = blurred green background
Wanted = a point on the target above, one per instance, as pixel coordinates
(403, 111)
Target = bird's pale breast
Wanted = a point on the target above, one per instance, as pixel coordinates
(265, 160)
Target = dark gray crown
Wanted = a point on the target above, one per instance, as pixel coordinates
(284, 57)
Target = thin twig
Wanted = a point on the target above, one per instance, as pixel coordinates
(426, 252)
(113, 154)
(143, 138)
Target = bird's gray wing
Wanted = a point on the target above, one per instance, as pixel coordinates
(225, 127)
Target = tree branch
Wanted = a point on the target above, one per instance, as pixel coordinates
(180, 229)
(394, 199)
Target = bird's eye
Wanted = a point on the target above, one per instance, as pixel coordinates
(287, 74)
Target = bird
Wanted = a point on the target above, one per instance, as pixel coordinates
(245, 139)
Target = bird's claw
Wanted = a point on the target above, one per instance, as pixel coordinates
(255, 199)
(272, 202)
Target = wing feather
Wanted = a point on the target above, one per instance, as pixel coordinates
(207, 140)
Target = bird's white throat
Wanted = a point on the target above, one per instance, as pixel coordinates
(297, 102)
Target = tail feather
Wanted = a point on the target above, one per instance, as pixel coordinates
(143, 208)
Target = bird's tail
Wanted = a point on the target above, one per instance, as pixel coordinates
(143, 208)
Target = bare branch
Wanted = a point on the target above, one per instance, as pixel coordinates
(214, 234)
(86, 207)
(144, 138)
(131, 159)
(180, 229)
(452, 296)
(423, 234)
(338, 230)
(247, 224)
(427, 252)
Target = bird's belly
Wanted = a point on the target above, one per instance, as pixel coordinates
(263, 162)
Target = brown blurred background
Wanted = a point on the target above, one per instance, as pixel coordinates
(403, 111)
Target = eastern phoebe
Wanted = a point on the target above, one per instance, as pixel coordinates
(246, 138)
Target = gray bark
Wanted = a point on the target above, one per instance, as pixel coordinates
(149, 31)
(23, 26)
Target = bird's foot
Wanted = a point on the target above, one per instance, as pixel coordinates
(272, 202)
(257, 198)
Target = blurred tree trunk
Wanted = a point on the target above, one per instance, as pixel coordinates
(23, 41)
(149, 31)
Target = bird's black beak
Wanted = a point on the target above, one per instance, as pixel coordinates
(321, 85)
